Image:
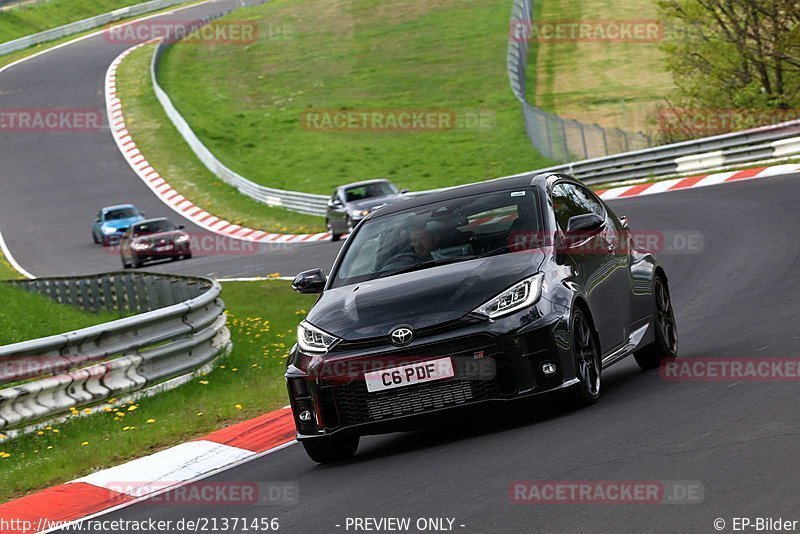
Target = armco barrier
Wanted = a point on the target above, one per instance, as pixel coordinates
(179, 329)
(707, 154)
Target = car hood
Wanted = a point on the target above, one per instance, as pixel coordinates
(372, 203)
(162, 235)
(122, 223)
(421, 298)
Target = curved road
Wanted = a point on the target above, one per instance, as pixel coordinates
(64, 178)
(737, 297)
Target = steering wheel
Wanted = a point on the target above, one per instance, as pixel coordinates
(397, 258)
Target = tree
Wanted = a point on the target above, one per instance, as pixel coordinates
(734, 53)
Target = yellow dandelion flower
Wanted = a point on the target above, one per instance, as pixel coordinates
(85, 443)
(132, 408)
(238, 406)
(151, 421)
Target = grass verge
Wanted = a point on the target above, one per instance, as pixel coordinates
(247, 101)
(262, 318)
(169, 154)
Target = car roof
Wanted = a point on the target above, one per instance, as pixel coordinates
(119, 207)
(522, 180)
(365, 182)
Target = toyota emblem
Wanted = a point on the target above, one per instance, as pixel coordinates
(402, 336)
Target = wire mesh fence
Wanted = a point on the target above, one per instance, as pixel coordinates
(555, 137)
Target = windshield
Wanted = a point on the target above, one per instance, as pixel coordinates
(153, 227)
(449, 231)
(361, 192)
(122, 213)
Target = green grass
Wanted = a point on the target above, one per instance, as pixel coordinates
(613, 84)
(245, 101)
(27, 19)
(25, 315)
(262, 319)
(7, 272)
(169, 154)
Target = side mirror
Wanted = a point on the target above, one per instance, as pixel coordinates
(581, 227)
(312, 281)
(97, 219)
(143, 214)
(181, 226)
(623, 221)
(403, 191)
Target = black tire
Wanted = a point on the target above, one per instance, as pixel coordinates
(331, 449)
(105, 241)
(94, 238)
(124, 263)
(136, 262)
(665, 345)
(586, 355)
(334, 235)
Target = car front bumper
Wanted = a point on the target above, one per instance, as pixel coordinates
(493, 361)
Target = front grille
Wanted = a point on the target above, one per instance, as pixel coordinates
(355, 405)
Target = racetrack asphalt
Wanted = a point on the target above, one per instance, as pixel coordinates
(53, 183)
(736, 297)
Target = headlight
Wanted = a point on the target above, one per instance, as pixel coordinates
(518, 296)
(182, 239)
(108, 230)
(312, 339)
(141, 245)
(360, 213)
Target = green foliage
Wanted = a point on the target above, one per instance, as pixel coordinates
(734, 53)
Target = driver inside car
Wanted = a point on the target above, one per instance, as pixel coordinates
(424, 241)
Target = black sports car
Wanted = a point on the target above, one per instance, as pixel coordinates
(478, 294)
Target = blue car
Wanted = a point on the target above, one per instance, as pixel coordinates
(111, 223)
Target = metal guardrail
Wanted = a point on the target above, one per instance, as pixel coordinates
(558, 138)
(85, 24)
(292, 200)
(179, 330)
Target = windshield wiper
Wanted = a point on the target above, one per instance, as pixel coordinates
(426, 264)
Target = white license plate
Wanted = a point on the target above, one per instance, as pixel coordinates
(406, 375)
(164, 248)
